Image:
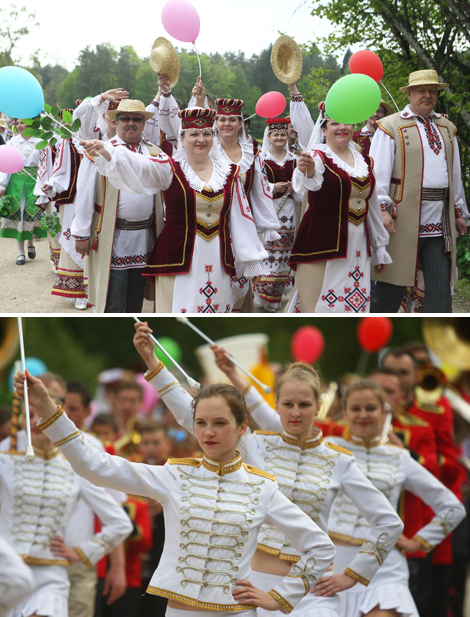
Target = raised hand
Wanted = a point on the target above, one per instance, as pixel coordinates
(145, 345)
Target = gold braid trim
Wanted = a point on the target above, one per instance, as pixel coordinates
(357, 577)
(424, 543)
(171, 595)
(37, 561)
(194, 462)
(65, 440)
(280, 600)
(83, 557)
(150, 375)
(51, 419)
(259, 472)
(335, 446)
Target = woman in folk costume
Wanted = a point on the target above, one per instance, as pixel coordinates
(363, 137)
(37, 499)
(209, 235)
(310, 472)
(278, 165)
(23, 220)
(214, 507)
(342, 230)
(392, 470)
(62, 186)
(45, 167)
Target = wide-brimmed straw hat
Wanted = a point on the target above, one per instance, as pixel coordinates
(388, 108)
(130, 106)
(427, 77)
(286, 60)
(164, 60)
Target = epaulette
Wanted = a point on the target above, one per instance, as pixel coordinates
(411, 420)
(193, 462)
(429, 407)
(334, 446)
(88, 155)
(259, 472)
(266, 433)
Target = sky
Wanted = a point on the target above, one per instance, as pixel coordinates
(246, 25)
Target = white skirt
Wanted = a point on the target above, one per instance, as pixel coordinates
(309, 606)
(388, 589)
(50, 595)
(176, 612)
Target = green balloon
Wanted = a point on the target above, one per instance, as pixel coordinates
(352, 99)
(172, 347)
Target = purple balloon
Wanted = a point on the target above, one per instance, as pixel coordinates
(11, 160)
(181, 20)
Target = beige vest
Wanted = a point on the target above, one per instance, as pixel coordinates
(405, 191)
(102, 237)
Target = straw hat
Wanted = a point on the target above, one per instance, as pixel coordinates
(164, 60)
(388, 109)
(130, 106)
(286, 60)
(3, 123)
(424, 78)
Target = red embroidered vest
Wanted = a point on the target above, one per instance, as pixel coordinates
(363, 141)
(279, 173)
(68, 196)
(173, 250)
(323, 232)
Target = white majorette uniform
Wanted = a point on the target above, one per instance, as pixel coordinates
(16, 579)
(213, 513)
(310, 476)
(119, 225)
(392, 470)
(37, 500)
(209, 233)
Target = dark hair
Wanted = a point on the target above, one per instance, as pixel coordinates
(364, 384)
(246, 120)
(301, 372)
(384, 370)
(232, 396)
(5, 414)
(150, 426)
(78, 387)
(415, 346)
(398, 353)
(48, 378)
(129, 384)
(105, 419)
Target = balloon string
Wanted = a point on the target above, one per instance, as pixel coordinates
(385, 87)
(27, 172)
(198, 59)
(252, 116)
(62, 125)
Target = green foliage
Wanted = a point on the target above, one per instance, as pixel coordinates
(51, 223)
(5, 205)
(48, 128)
(463, 255)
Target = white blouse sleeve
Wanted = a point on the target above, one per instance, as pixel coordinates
(88, 113)
(262, 413)
(134, 173)
(382, 151)
(300, 182)
(248, 251)
(16, 579)
(301, 119)
(87, 183)
(152, 125)
(261, 200)
(449, 512)
(102, 468)
(379, 236)
(459, 192)
(60, 177)
(170, 122)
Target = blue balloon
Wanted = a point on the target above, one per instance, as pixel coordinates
(34, 365)
(21, 95)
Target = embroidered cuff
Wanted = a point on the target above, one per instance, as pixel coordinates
(384, 207)
(296, 98)
(156, 103)
(270, 235)
(83, 558)
(424, 543)
(81, 238)
(51, 419)
(167, 94)
(380, 256)
(256, 268)
(149, 375)
(105, 167)
(286, 607)
(357, 577)
(458, 211)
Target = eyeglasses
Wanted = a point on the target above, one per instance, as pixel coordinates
(128, 120)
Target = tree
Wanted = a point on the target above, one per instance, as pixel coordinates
(128, 64)
(12, 31)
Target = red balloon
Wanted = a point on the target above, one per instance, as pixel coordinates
(307, 344)
(374, 332)
(271, 104)
(367, 63)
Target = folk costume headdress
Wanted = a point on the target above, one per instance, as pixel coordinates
(231, 107)
(427, 77)
(274, 124)
(199, 119)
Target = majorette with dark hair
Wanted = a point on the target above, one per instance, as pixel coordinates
(209, 235)
(278, 165)
(342, 229)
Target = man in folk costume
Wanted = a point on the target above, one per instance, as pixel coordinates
(363, 137)
(115, 229)
(417, 166)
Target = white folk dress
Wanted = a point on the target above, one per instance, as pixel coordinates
(392, 470)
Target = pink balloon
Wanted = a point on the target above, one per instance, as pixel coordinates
(270, 105)
(11, 160)
(181, 20)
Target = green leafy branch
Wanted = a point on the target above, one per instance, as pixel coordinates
(5, 205)
(51, 125)
(51, 223)
(463, 255)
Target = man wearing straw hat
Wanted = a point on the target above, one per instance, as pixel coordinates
(115, 229)
(417, 167)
